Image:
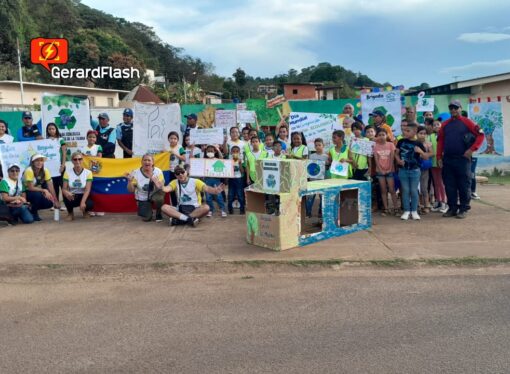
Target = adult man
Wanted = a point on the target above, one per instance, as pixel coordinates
(380, 122)
(188, 190)
(191, 123)
(410, 114)
(29, 131)
(124, 133)
(105, 135)
(458, 138)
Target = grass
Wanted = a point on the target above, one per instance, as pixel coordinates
(500, 179)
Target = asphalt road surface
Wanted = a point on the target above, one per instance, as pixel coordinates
(325, 322)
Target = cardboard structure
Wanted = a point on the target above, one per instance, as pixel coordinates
(275, 206)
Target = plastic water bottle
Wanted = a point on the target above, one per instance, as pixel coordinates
(56, 214)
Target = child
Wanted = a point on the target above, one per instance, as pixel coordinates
(361, 163)
(339, 153)
(298, 148)
(277, 150)
(53, 133)
(408, 156)
(268, 144)
(234, 141)
(426, 165)
(319, 155)
(236, 184)
(403, 125)
(247, 145)
(384, 158)
(246, 134)
(213, 151)
(92, 149)
(251, 157)
(370, 133)
(177, 156)
(191, 150)
(283, 137)
(376, 189)
(437, 179)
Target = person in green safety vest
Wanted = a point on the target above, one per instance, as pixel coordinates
(255, 154)
(340, 153)
(298, 148)
(360, 163)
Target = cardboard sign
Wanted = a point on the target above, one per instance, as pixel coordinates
(214, 135)
(340, 168)
(425, 104)
(211, 167)
(313, 126)
(271, 175)
(20, 153)
(316, 169)
(363, 147)
(275, 101)
(225, 118)
(246, 116)
(241, 106)
(388, 102)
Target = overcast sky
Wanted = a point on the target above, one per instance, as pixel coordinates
(401, 41)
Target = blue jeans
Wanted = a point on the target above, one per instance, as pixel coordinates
(22, 213)
(213, 182)
(236, 189)
(474, 161)
(409, 180)
(38, 201)
(309, 204)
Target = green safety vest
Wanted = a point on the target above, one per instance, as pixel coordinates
(432, 138)
(250, 159)
(336, 157)
(299, 152)
(361, 160)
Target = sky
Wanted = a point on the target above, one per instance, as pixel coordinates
(398, 41)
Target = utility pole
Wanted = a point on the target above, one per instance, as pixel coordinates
(20, 74)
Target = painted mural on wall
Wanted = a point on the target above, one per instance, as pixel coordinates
(490, 118)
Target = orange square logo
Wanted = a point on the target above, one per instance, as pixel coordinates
(46, 51)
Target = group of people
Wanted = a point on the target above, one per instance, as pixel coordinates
(427, 166)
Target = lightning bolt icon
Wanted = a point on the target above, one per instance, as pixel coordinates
(49, 50)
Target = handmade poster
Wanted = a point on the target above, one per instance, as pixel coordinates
(151, 125)
(271, 103)
(490, 118)
(20, 153)
(241, 106)
(363, 147)
(339, 168)
(271, 175)
(425, 104)
(388, 102)
(225, 118)
(211, 167)
(313, 126)
(71, 114)
(214, 135)
(316, 169)
(246, 116)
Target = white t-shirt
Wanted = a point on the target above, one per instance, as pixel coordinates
(6, 139)
(197, 153)
(11, 187)
(240, 143)
(92, 151)
(141, 182)
(77, 182)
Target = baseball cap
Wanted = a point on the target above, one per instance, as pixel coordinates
(191, 116)
(37, 156)
(128, 112)
(13, 165)
(103, 115)
(26, 115)
(377, 113)
(455, 103)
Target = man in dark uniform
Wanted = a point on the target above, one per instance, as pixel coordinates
(124, 133)
(29, 131)
(106, 136)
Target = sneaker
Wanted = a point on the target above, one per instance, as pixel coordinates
(436, 207)
(63, 208)
(209, 214)
(192, 221)
(475, 196)
(449, 213)
(223, 213)
(159, 218)
(100, 214)
(405, 216)
(443, 208)
(173, 222)
(415, 216)
(461, 215)
(92, 214)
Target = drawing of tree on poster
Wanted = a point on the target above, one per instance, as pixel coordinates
(490, 118)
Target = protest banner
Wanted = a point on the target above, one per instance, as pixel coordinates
(425, 104)
(388, 102)
(214, 135)
(363, 147)
(339, 168)
(71, 114)
(225, 118)
(151, 126)
(313, 126)
(316, 169)
(211, 167)
(20, 153)
(489, 117)
(246, 116)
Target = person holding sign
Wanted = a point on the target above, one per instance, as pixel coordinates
(39, 186)
(213, 151)
(190, 208)
(76, 188)
(339, 154)
(380, 122)
(13, 195)
(236, 184)
(147, 183)
(360, 163)
(255, 154)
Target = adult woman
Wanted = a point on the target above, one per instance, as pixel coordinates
(39, 186)
(76, 187)
(11, 193)
(5, 138)
(147, 183)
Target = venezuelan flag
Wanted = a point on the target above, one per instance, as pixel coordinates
(109, 187)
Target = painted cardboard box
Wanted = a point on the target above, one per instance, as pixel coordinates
(280, 176)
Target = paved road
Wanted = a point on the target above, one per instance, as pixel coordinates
(327, 322)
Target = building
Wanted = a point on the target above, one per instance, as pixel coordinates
(267, 89)
(310, 91)
(142, 94)
(10, 94)
(328, 92)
